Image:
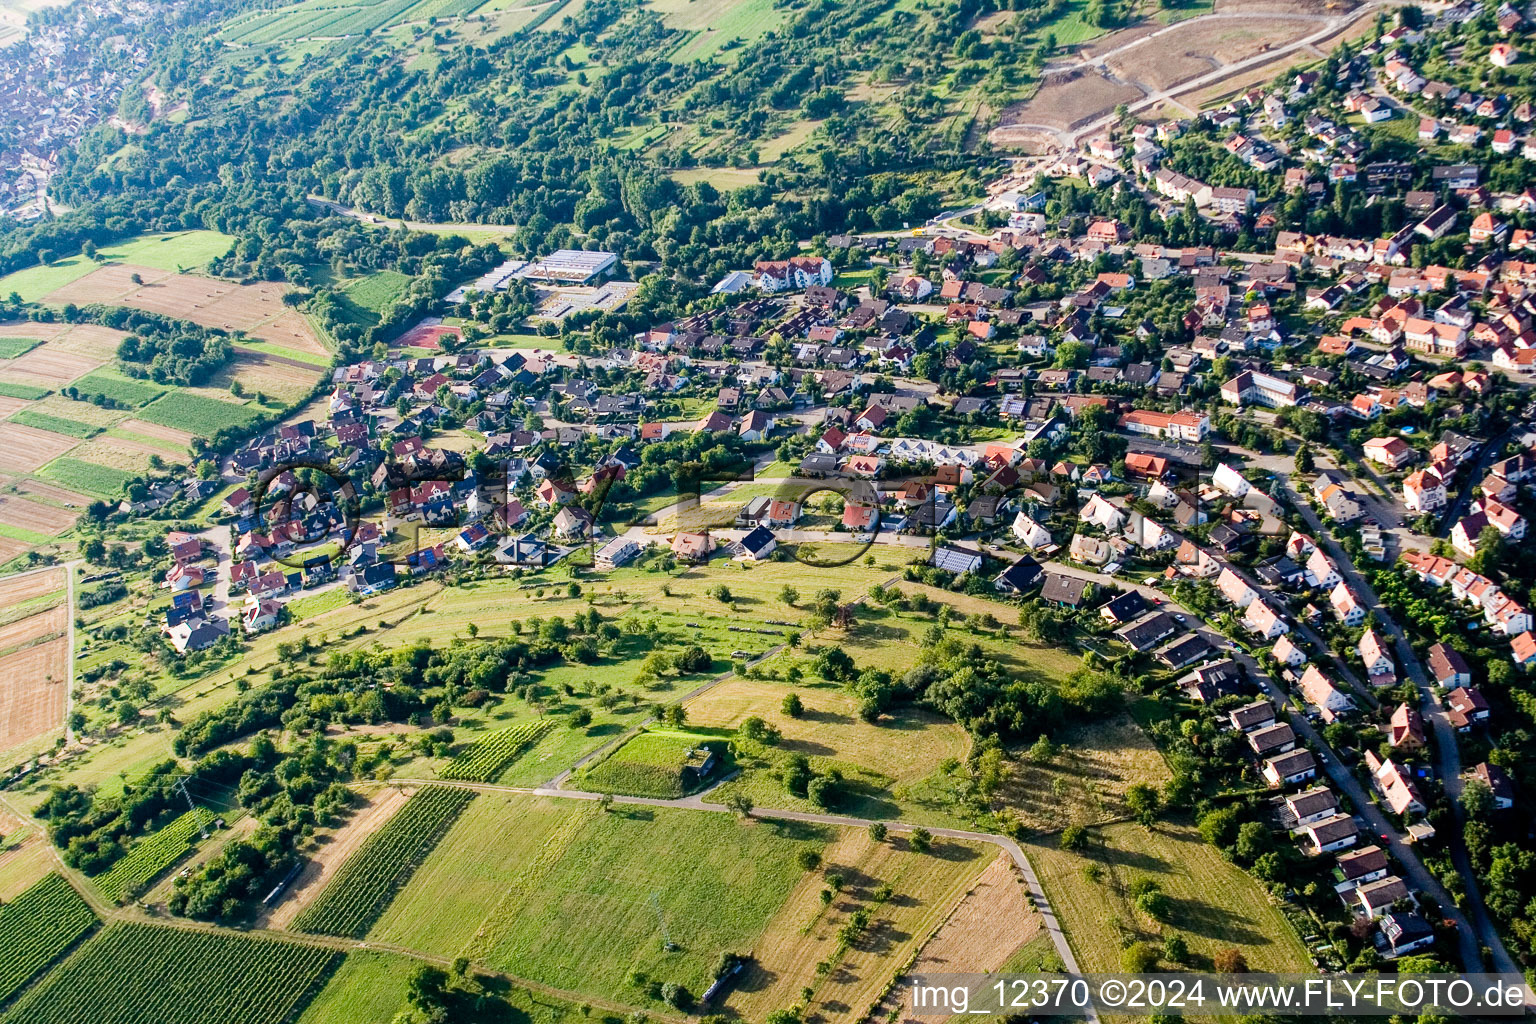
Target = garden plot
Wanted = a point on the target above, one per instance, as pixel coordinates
(25, 449)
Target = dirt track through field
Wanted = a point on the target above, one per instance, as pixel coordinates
(332, 854)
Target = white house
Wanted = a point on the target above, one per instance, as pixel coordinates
(1230, 481)
(1030, 533)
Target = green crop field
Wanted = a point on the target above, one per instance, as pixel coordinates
(37, 927)
(489, 757)
(649, 764)
(57, 424)
(10, 348)
(102, 481)
(27, 391)
(327, 18)
(368, 988)
(144, 974)
(383, 864)
(179, 250)
(517, 869)
(151, 855)
(119, 388)
(196, 414)
(714, 23)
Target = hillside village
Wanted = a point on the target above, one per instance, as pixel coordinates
(1281, 478)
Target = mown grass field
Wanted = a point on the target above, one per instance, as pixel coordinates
(368, 988)
(1216, 905)
(886, 768)
(365, 298)
(179, 250)
(517, 869)
(804, 932)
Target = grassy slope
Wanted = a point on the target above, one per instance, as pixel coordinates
(516, 870)
(179, 250)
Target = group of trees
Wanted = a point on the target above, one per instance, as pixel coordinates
(167, 351)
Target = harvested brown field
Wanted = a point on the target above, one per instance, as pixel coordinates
(105, 284)
(1071, 99)
(118, 453)
(33, 628)
(1201, 46)
(1157, 69)
(334, 851)
(279, 378)
(180, 438)
(53, 492)
(9, 405)
(803, 932)
(90, 340)
(24, 586)
(1325, 8)
(10, 548)
(290, 330)
(213, 302)
(987, 927)
(39, 518)
(182, 296)
(31, 329)
(1120, 37)
(49, 366)
(25, 449)
(34, 689)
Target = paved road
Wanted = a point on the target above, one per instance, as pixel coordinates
(217, 537)
(1447, 748)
